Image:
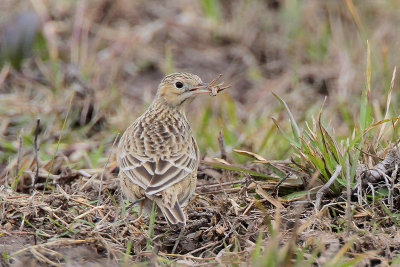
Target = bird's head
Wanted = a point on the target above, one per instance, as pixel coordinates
(179, 88)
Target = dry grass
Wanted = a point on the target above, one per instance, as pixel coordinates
(94, 66)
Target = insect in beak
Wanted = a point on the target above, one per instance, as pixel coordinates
(210, 88)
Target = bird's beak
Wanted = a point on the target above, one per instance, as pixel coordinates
(201, 88)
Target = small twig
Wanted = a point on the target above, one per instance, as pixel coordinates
(222, 145)
(201, 248)
(388, 183)
(54, 242)
(182, 256)
(104, 170)
(369, 154)
(321, 192)
(178, 239)
(88, 212)
(41, 258)
(248, 208)
(19, 156)
(276, 188)
(36, 133)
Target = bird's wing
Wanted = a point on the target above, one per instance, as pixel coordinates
(172, 170)
(139, 170)
(156, 174)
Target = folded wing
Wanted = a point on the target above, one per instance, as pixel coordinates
(157, 174)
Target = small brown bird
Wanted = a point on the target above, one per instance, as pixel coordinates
(158, 155)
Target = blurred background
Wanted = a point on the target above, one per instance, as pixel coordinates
(87, 69)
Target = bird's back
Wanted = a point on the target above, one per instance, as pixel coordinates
(159, 133)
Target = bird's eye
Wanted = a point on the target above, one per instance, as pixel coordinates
(179, 85)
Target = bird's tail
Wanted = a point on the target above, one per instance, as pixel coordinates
(173, 214)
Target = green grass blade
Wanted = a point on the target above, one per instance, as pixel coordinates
(295, 128)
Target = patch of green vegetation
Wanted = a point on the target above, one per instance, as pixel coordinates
(211, 9)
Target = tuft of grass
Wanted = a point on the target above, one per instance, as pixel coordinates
(318, 150)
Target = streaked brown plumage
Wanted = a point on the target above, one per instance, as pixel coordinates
(158, 155)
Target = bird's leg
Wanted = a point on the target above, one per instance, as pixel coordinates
(135, 202)
(140, 208)
(138, 200)
(141, 200)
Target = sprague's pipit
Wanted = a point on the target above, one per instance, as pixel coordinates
(158, 155)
